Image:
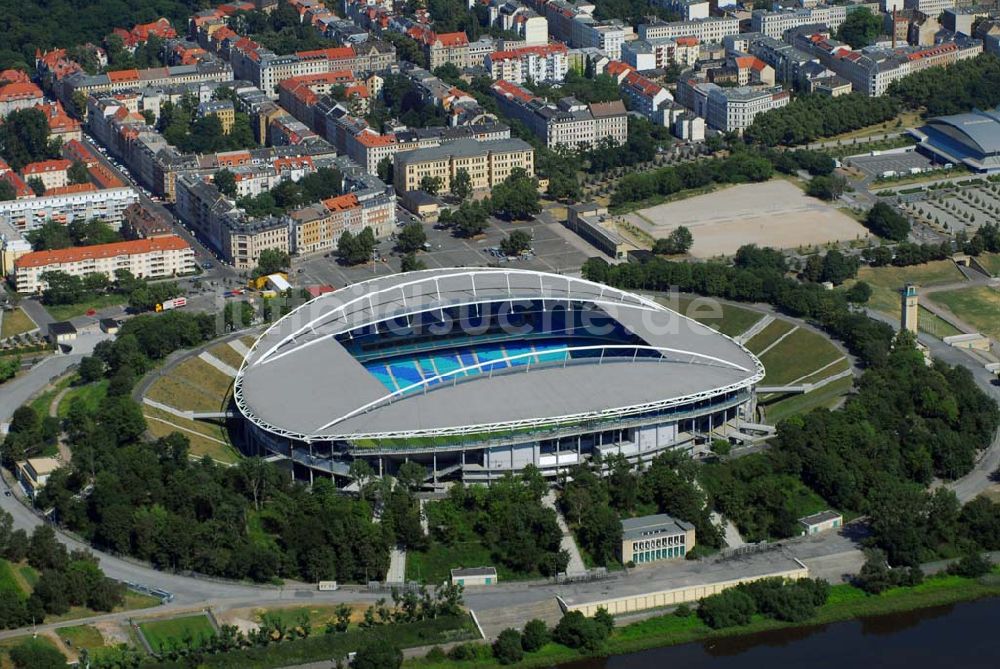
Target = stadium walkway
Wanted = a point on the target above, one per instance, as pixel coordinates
(568, 543)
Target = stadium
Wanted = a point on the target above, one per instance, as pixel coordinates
(971, 139)
(475, 373)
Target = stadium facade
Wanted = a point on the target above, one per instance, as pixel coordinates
(475, 373)
(971, 139)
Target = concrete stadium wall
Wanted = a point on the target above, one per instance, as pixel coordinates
(691, 593)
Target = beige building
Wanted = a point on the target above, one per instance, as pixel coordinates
(145, 258)
(222, 110)
(652, 538)
(34, 473)
(487, 163)
(474, 576)
(52, 173)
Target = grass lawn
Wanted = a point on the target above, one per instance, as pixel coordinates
(193, 385)
(81, 636)
(227, 354)
(133, 602)
(887, 281)
(799, 354)
(734, 320)
(90, 395)
(774, 331)
(318, 615)
(15, 322)
(159, 632)
(27, 575)
(978, 306)
(825, 397)
(9, 581)
(203, 435)
(934, 325)
(63, 312)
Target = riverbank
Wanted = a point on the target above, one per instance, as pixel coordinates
(845, 603)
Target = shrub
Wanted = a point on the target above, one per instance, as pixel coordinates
(507, 648)
(575, 630)
(683, 611)
(535, 635)
(729, 608)
(972, 565)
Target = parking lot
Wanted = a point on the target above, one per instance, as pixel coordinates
(554, 248)
(898, 163)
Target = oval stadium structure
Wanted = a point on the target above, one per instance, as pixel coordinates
(475, 373)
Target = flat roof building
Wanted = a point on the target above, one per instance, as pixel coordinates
(821, 522)
(487, 163)
(653, 538)
(474, 576)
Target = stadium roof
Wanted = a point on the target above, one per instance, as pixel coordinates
(981, 129)
(299, 382)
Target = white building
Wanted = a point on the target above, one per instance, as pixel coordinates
(152, 258)
(108, 205)
(710, 30)
(734, 109)
(540, 64)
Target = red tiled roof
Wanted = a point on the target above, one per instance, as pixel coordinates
(22, 189)
(14, 76)
(123, 75)
(42, 166)
(76, 254)
(451, 40)
(20, 91)
(541, 51)
(513, 90)
(69, 189)
(341, 202)
(335, 53)
(687, 41)
(371, 139)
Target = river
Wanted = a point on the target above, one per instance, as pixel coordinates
(947, 636)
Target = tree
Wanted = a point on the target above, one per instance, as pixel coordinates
(411, 263)
(386, 170)
(378, 653)
(225, 181)
(826, 187)
(271, 261)
(678, 241)
(411, 238)
(37, 185)
(535, 635)
(24, 138)
(859, 293)
(7, 191)
(516, 197)
(507, 648)
(886, 222)
(91, 369)
(575, 630)
(431, 185)
(77, 173)
(461, 184)
(729, 608)
(721, 447)
(36, 654)
(860, 28)
(874, 576)
(516, 243)
(356, 249)
(61, 288)
(972, 565)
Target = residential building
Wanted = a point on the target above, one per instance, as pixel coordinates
(222, 110)
(511, 16)
(653, 538)
(645, 96)
(447, 48)
(711, 30)
(689, 10)
(142, 223)
(52, 173)
(734, 109)
(145, 258)
(570, 123)
(539, 64)
(930, 7)
(487, 163)
(120, 80)
(19, 95)
(83, 202)
(661, 53)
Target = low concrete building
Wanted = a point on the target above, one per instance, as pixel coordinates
(422, 205)
(653, 538)
(62, 332)
(110, 326)
(821, 522)
(34, 473)
(474, 576)
(587, 220)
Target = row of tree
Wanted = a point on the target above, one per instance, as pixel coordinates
(810, 117)
(142, 295)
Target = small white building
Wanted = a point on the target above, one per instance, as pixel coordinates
(474, 576)
(821, 522)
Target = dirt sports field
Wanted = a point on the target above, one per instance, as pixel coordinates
(774, 213)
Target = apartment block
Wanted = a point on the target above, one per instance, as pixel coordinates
(540, 64)
(710, 30)
(153, 258)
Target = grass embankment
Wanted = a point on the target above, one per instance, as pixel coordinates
(845, 603)
(7, 644)
(802, 354)
(207, 437)
(89, 395)
(728, 319)
(193, 385)
(227, 354)
(770, 334)
(324, 647)
(16, 322)
(991, 262)
(979, 306)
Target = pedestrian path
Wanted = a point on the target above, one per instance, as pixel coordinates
(397, 566)
(568, 542)
(218, 364)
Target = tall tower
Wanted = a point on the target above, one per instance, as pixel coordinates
(908, 308)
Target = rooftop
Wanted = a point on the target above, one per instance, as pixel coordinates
(634, 528)
(99, 251)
